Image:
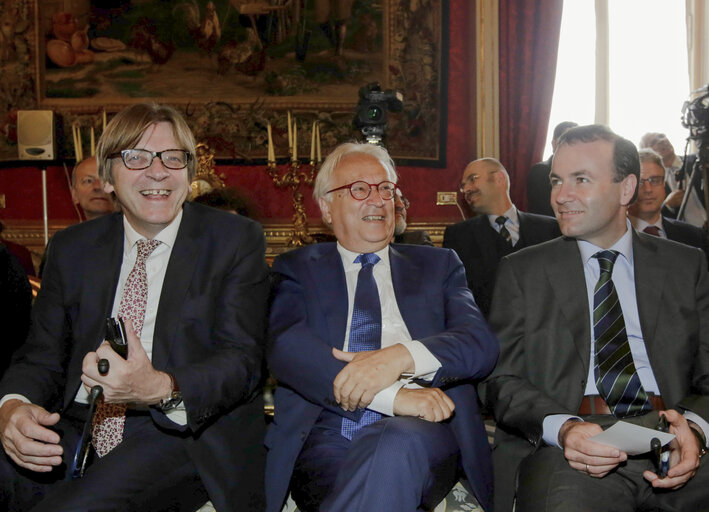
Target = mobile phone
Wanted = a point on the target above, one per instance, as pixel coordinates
(116, 336)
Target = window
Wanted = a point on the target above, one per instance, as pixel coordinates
(647, 68)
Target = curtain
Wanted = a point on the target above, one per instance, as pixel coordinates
(529, 42)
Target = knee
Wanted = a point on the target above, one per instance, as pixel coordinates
(405, 440)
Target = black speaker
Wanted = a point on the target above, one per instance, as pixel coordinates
(36, 135)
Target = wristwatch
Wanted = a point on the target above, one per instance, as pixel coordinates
(175, 398)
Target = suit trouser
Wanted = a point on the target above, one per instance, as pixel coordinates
(149, 470)
(547, 483)
(397, 463)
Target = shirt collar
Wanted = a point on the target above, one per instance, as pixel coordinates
(624, 246)
(640, 224)
(511, 215)
(167, 236)
(348, 257)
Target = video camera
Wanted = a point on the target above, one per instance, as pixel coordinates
(373, 108)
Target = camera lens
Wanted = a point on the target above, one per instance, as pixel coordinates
(374, 113)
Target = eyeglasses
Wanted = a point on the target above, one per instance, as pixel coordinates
(654, 181)
(470, 180)
(360, 190)
(137, 159)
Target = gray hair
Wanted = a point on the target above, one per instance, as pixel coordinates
(323, 182)
(650, 155)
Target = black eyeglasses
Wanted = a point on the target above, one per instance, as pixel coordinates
(360, 190)
(137, 159)
(654, 181)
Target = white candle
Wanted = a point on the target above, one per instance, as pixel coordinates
(295, 141)
(290, 133)
(271, 153)
(104, 119)
(93, 142)
(312, 143)
(317, 140)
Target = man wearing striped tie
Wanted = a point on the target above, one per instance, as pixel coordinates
(375, 347)
(602, 325)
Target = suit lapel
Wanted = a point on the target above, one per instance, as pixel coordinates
(178, 277)
(328, 276)
(408, 291)
(564, 269)
(488, 241)
(650, 277)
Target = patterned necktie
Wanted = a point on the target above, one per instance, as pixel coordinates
(110, 419)
(365, 329)
(500, 221)
(652, 230)
(617, 379)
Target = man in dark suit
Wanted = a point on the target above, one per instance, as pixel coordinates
(538, 186)
(15, 306)
(374, 345)
(498, 229)
(194, 417)
(563, 310)
(646, 212)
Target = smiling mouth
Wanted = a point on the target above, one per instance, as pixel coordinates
(373, 217)
(161, 192)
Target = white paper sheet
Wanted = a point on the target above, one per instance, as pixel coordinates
(630, 438)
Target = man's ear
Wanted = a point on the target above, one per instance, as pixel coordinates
(108, 187)
(325, 210)
(628, 186)
(73, 195)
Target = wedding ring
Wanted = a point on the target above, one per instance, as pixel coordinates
(587, 471)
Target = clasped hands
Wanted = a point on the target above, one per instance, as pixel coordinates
(368, 373)
(598, 459)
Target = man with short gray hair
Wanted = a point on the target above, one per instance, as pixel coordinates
(374, 346)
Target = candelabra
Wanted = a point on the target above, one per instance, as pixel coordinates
(296, 174)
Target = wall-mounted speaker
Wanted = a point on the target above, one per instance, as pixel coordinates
(36, 135)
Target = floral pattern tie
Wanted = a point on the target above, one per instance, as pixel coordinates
(110, 419)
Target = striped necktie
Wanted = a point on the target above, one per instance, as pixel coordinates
(365, 329)
(504, 233)
(617, 379)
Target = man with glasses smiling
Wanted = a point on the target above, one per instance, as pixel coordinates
(182, 417)
(374, 345)
(646, 212)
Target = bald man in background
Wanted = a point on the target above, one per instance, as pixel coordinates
(87, 190)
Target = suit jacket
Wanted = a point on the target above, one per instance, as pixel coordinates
(539, 188)
(541, 315)
(480, 248)
(418, 237)
(15, 306)
(208, 334)
(309, 317)
(685, 233)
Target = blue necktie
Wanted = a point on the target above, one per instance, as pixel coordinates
(617, 379)
(365, 329)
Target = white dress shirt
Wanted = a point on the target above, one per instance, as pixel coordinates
(512, 224)
(155, 267)
(624, 281)
(393, 327)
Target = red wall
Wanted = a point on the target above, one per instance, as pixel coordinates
(23, 187)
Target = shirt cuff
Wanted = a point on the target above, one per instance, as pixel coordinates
(425, 363)
(383, 402)
(9, 397)
(701, 423)
(551, 426)
(177, 415)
